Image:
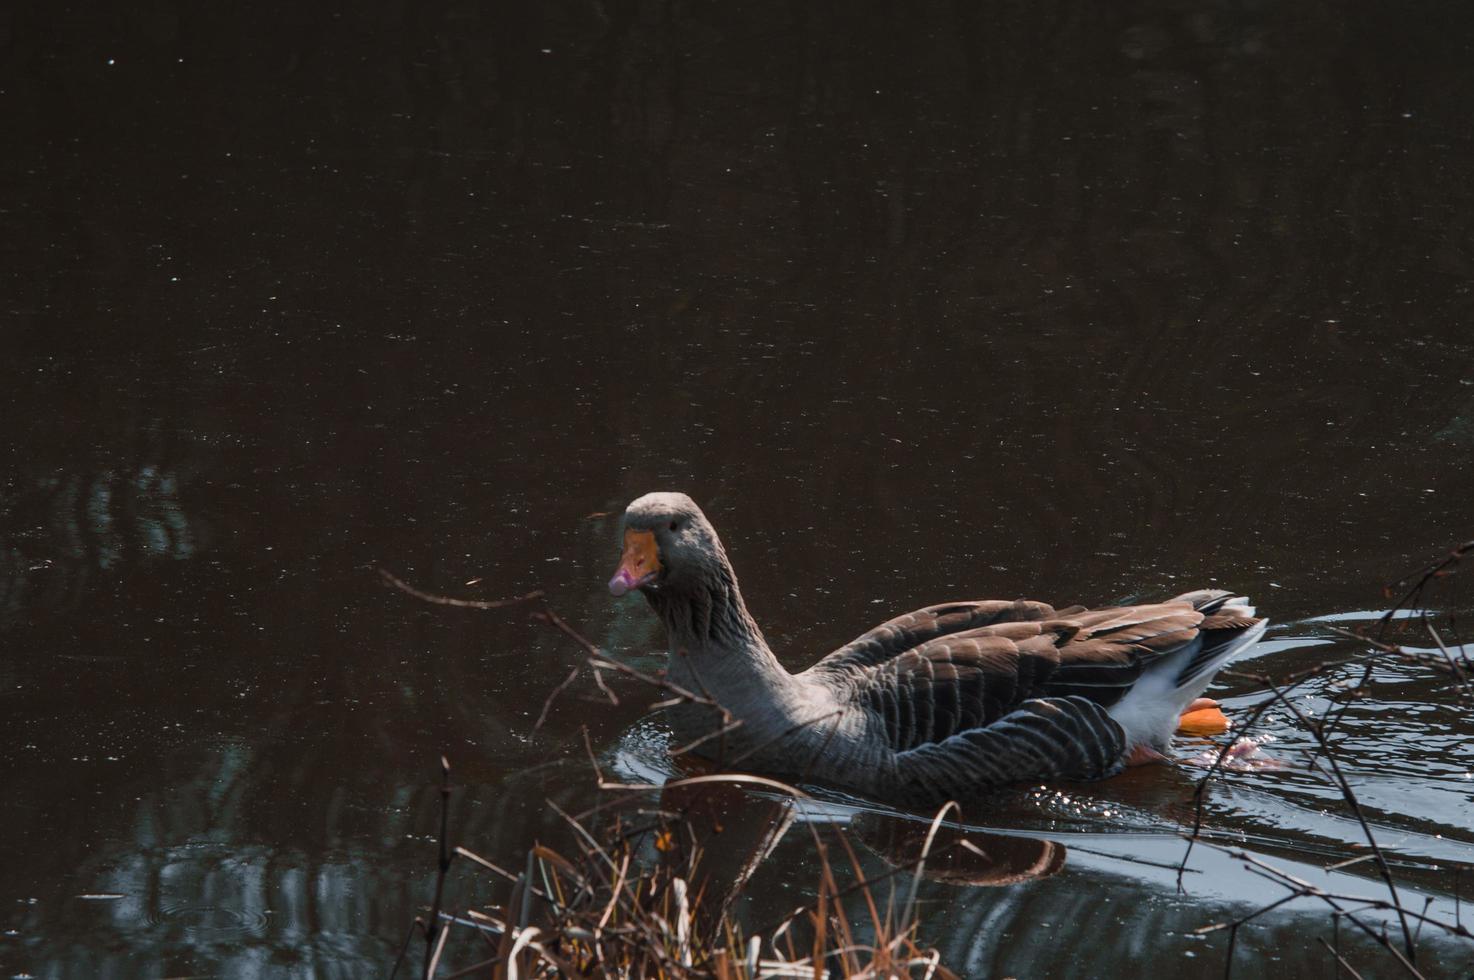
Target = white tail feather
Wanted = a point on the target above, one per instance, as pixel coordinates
(1148, 713)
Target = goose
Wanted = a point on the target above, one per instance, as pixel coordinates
(949, 702)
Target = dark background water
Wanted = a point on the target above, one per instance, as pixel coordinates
(921, 301)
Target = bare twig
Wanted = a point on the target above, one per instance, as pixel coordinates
(444, 600)
(790, 730)
(1250, 917)
(719, 733)
(1422, 578)
(547, 615)
(1321, 732)
(404, 947)
(1341, 963)
(433, 943)
(1350, 797)
(909, 909)
(434, 961)
(548, 702)
(681, 693)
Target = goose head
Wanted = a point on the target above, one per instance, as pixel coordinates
(669, 547)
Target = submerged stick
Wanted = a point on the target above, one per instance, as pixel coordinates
(432, 947)
(1341, 963)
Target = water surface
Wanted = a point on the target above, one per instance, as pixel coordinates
(920, 302)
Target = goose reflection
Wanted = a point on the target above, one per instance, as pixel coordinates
(725, 831)
(958, 856)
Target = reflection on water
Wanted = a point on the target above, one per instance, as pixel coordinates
(960, 857)
(1061, 300)
(62, 529)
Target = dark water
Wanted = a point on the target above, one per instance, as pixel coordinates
(930, 301)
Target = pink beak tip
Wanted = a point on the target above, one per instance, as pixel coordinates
(621, 583)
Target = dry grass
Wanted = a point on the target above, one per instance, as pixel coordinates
(638, 895)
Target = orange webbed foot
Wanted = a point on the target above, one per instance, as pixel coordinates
(1203, 717)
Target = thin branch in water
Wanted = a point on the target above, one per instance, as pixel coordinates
(608, 694)
(404, 947)
(547, 615)
(498, 869)
(1349, 796)
(720, 733)
(1200, 791)
(434, 944)
(593, 761)
(483, 967)
(819, 752)
(790, 730)
(1453, 667)
(1444, 567)
(444, 935)
(1341, 963)
(604, 663)
(548, 702)
(1322, 732)
(1250, 917)
(1303, 888)
(445, 600)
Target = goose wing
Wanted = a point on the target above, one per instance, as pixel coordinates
(906, 633)
(970, 678)
(1115, 646)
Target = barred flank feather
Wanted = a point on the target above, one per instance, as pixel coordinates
(1044, 738)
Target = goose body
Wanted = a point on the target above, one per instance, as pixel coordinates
(946, 702)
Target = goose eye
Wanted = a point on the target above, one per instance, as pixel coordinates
(675, 525)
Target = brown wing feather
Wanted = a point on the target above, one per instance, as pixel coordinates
(1115, 646)
(896, 636)
(1228, 622)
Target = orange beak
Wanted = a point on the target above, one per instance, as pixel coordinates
(639, 564)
